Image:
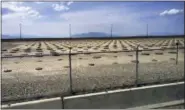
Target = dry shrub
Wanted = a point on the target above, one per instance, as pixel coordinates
(48, 48)
(115, 46)
(38, 49)
(38, 68)
(88, 46)
(91, 64)
(154, 60)
(7, 70)
(73, 53)
(134, 61)
(53, 53)
(8, 55)
(66, 66)
(16, 49)
(87, 53)
(159, 53)
(145, 48)
(39, 61)
(124, 49)
(163, 47)
(145, 53)
(172, 52)
(96, 57)
(106, 48)
(13, 51)
(38, 54)
(24, 54)
(60, 59)
(148, 50)
(172, 58)
(150, 45)
(115, 63)
(27, 50)
(103, 50)
(16, 62)
(60, 48)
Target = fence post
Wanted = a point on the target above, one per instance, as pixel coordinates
(70, 68)
(62, 102)
(137, 61)
(177, 52)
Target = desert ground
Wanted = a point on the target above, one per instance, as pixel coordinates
(41, 68)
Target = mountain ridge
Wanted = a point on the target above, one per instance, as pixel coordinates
(84, 35)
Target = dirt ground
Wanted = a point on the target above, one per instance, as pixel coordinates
(34, 76)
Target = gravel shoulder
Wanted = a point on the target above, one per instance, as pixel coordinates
(89, 79)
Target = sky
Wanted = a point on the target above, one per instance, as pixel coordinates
(52, 19)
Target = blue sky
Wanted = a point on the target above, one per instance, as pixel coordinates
(52, 19)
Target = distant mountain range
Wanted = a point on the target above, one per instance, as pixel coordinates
(8, 37)
(92, 34)
(81, 35)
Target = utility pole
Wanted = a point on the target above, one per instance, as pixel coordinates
(177, 44)
(20, 31)
(147, 29)
(70, 66)
(111, 31)
(137, 61)
(70, 31)
(123, 31)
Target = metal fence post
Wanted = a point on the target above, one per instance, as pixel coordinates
(177, 52)
(70, 68)
(137, 61)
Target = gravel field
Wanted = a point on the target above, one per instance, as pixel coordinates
(8, 45)
(89, 79)
(29, 78)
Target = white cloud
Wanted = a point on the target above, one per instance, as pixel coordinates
(39, 2)
(171, 12)
(125, 22)
(62, 6)
(69, 3)
(15, 6)
(20, 11)
(16, 3)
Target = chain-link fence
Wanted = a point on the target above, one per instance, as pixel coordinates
(93, 70)
(101, 71)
